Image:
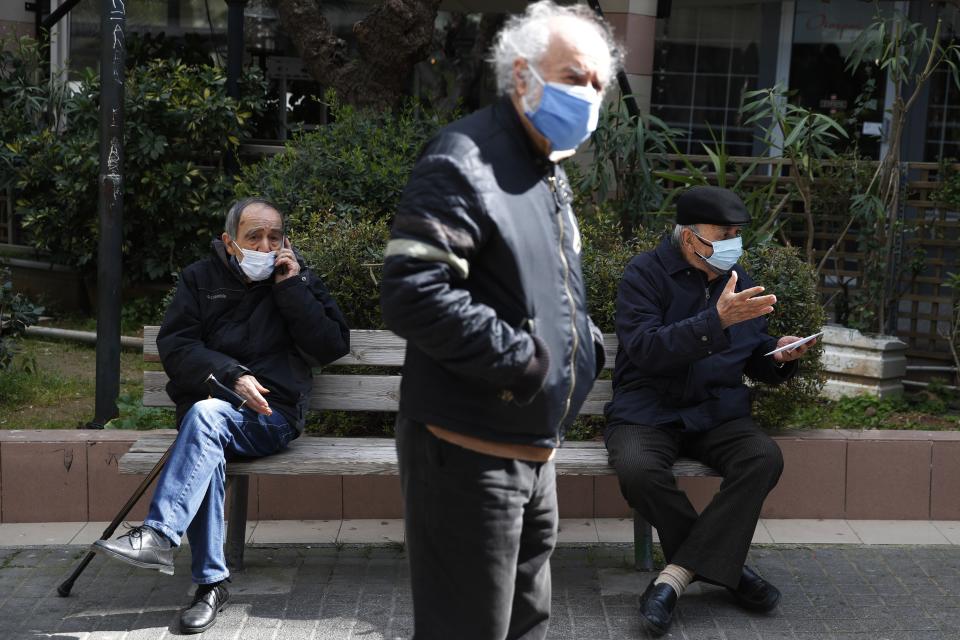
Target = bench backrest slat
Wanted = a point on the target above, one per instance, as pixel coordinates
(343, 392)
(375, 347)
(335, 392)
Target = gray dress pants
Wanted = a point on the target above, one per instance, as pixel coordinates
(479, 534)
(713, 545)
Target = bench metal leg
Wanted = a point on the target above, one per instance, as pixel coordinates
(642, 543)
(237, 521)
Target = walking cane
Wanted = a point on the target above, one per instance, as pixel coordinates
(64, 589)
(217, 390)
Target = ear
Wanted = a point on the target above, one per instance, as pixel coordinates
(228, 243)
(520, 76)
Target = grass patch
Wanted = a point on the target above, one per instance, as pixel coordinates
(52, 385)
(932, 409)
(22, 387)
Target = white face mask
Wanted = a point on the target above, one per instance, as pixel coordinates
(257, 265)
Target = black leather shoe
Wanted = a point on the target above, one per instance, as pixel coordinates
(755, 593)
(142, 547)
(656, 607)
(208, 601)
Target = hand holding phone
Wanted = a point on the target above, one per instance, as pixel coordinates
(285, 265)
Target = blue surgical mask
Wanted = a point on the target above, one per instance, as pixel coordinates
(725, 253)
(567, 114)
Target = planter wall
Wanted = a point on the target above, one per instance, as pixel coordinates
(71, 476)
(859, 364)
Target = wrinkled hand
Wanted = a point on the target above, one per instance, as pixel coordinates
(285, 265)
(252, 391)
(746, 305)
(792, 354)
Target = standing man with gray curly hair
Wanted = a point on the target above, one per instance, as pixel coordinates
(482, 277)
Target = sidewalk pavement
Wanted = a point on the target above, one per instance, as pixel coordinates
(343, 591)
(572, 531)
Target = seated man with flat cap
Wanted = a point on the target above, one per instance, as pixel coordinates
(691, 323)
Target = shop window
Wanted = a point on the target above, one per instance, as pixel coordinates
(706, 56)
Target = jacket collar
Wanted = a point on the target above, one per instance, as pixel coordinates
(670, 257)
(229, 262)
(506, 115)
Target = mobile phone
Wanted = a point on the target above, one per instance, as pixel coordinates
(282, 269)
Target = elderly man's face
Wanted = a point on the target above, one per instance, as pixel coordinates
(575, 56)
(260, 229)
(692, 245)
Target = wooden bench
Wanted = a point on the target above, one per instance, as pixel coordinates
(366, 456)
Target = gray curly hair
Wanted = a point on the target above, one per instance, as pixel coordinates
(527, 36)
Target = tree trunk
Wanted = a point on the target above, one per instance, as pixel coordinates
(391, 39)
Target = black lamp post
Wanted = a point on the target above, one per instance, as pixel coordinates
(113, 52)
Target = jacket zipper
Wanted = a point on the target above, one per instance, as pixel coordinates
(552, 180)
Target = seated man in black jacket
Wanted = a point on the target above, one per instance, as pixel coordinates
(257, 320)
(690, 324)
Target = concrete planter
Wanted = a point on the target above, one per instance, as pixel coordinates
(862, 364)
(71, 476)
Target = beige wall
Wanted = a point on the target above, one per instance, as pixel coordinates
(634, 24)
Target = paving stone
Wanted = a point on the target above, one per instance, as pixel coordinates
(298, 593)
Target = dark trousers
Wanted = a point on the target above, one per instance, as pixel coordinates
(479, 534)
(713, 545)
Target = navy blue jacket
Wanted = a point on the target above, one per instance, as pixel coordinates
(675, 363)
(482, 277)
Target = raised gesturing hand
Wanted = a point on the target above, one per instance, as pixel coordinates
(734, 307)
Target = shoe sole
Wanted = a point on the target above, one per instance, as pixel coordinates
(654, 629)
(195, 630)
(162, 568)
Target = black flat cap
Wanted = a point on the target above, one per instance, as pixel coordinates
(711, 205)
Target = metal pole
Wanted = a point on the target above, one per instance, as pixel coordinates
(234, 65)
(109, 257)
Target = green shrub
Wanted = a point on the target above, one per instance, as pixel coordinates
(605, 256)
(798, 312)
(628, 157)
(347, 255)
(178, 119)
(355, 167)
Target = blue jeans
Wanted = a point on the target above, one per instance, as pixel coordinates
(190, 491)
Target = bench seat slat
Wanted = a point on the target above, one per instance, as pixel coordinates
(362, 456)
(336, 392)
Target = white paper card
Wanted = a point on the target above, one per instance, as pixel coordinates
(794, 345)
